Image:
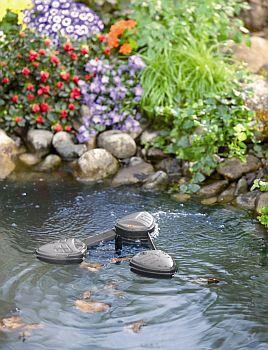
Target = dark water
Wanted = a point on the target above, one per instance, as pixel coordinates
(182, 313)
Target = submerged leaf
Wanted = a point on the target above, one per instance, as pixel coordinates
(116, 260)
(90, 266)
(15, 322)
(91, 306)
(211, 280)
(136, 326)
(87, 294)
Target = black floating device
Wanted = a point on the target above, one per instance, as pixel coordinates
(132, 228)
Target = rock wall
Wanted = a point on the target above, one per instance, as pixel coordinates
(256, 18)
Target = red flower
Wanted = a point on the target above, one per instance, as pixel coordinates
(36, 64)
(39, 119)
(68, 128)
(5, 80)
(30, 97)
(47, 42)
(76, 79)
(30, 87)
(63, 114)
(102, 38)
(33, 55)
(107, 51)
(40, 91)
(75, 93)
(18, 119)
(44, 76)
(35, 108)
(65, 76)
(74, 56)
(84, 50)
(15, 99)
(44, 107)
(54, 59)
(43, 90)
(42, 52)
(88, 76)
(68, 47)
(57, 127)
(60, 84)
(71, 107)
(26, 71)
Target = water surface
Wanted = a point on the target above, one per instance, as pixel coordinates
(182, 313)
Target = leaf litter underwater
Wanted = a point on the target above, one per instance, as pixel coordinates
(217, 300)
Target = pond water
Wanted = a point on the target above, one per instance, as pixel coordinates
(182, 313)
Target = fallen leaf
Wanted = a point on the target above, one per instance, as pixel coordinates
(116, 260)
(87, 294)
(93, 267)
(11, 323)
(136, 326)
(111, 285)
(211, 280)
(32, 326)
(91, 306)
(111, 288)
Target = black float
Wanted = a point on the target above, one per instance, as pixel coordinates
(131, 229)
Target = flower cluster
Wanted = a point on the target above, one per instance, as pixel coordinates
(120, 37)
(62, 17)
(39, 85)
(112, 96)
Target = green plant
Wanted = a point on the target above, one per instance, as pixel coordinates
(263, 218)
(262, 186)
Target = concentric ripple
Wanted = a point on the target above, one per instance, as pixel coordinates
(182, 313)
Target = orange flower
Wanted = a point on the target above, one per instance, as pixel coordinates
(125, 49)
(130, 24)
(113, 41)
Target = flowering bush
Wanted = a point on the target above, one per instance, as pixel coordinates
(39, 84)
(62, 17)
(112, 96)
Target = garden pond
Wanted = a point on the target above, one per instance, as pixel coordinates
(186, 312)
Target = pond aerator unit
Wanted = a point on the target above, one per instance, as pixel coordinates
(133, 228)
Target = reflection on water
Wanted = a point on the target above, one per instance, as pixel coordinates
(182, 313)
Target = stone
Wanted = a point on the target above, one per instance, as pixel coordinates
(39, 141)
(234, 168)
(137, 172)
(241, 187)
(172, 166)
(247, 200)
(209, 201)
(261, 202)
(213, 189)
(148, 136)
(256, 17)
(29, 159)
(255, 56)
(119, 144)
(7, 145)
(97, 164)
(92, 143)
(180, 197)
(227, 195)
(259, 99)
(51, 162)
(155, 155)
(6, 166)
(65, 146)
(157, 181)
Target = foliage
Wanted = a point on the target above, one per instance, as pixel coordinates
(259, 184)
(39, 83)
(65, 18)
(201, 130)
(263, 218)
(112, 96)
(15, 6)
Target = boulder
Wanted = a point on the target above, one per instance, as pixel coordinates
(155, 155)
(227, 195)
(234, 168)
(241, 187)
(136, 172)
(259, 99)
(256, 17)
(7, 145)
(65, 146)
(180, 197)
(39, 141)
(213, 189)
(92, 143)
(172, 167)
(209, 201)
(261, 202)
(247, 200)
(51, 162)
(156, 181)
(29, 159)
(255, 56)
(119, 144)
(97, 164)
(148, 136)
(6, 166)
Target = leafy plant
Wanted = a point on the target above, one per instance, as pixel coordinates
(260, 185)
(263, 218)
